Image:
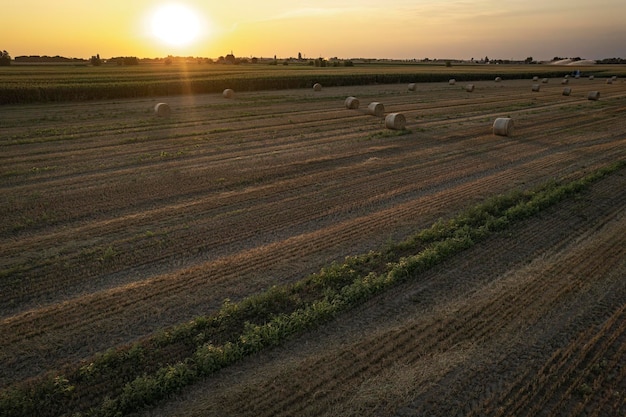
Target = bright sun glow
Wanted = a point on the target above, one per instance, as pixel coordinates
(175, 24)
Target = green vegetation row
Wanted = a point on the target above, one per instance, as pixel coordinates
(52, 84)
(126, 379)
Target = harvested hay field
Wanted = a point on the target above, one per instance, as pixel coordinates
(118, 225)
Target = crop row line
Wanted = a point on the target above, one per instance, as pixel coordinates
(317, 299)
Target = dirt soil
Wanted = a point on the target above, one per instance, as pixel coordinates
(531, 322)
(117, 223)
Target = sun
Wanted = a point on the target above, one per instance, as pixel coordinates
(175, 24)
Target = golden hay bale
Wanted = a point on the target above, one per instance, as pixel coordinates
(376, 109)
(162, 110)
(317, 87)
(535, 78)
(395, 121)
(352, 103)
(469, 88)
(544, 80)
(503, 126)
(536, 87)
(452, 81)
(567, 91)
(412, 87)
(228, 93)
(498, 79)
(593, 95)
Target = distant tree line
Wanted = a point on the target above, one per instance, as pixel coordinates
(612, 61)
(5, 58)
(125, 60)
(94, 60)
(47, 59)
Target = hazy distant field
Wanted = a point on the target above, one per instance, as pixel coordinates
(118, 225)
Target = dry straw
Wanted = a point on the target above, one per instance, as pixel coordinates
(228, 93)
(536, 87)
(352, 103)
(317, 87)
(593, 95)
(503, 126)
(567, 91)
(469, 88)
(412, 87)
(376, 109)
(452, 81)
(395, 121)
(162, 110)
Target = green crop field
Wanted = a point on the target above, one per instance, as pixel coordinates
(32, 83)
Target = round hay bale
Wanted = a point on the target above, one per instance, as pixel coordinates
(452, 81)
(565, 81)
(352, 103)
(593, 95)
(544, 80)
(614, 78)
(535, 78)
(498, 79)
(566, 76)
(591, 77)
(376, 109)
(317, 87)
(536, 87)
(469, 88)
(228, 93)
(412, 87)
(503, 126)
(567, 91)
(609, 81)
(162, 110)
(395, 121)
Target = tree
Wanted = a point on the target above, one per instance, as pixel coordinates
(5, 58)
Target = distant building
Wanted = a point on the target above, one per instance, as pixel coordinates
(230, 59)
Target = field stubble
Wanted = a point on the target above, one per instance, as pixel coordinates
(117, 224)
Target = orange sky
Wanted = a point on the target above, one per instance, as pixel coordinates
(403, 29)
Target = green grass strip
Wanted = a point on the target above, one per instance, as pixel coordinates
(238, 330)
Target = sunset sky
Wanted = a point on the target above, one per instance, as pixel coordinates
(402, 29)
